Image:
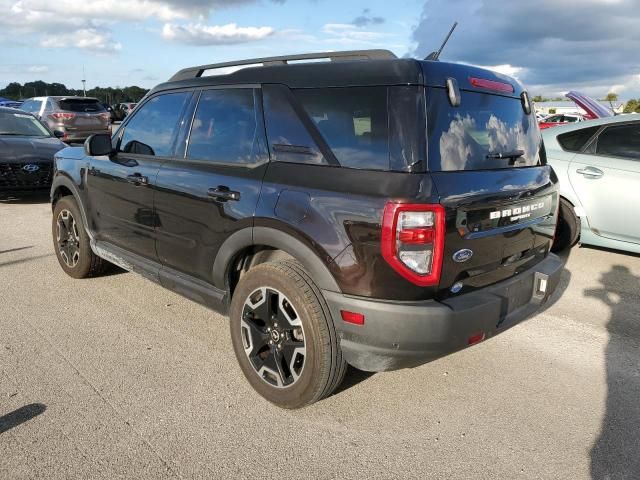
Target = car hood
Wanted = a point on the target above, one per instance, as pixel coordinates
(27, 149)
(593, 108)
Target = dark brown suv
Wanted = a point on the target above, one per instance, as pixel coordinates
(368, 210)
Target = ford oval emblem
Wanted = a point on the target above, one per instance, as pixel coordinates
(463, 255)
(30, 167)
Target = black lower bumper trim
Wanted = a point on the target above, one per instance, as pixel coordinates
(407, 334)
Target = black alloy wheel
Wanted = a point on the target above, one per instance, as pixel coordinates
(71, 241)
(68, 238)
(273, 337)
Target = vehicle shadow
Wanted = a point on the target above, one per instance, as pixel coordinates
(352, 378)
(21, 415)
(25, 198)
(616, 452)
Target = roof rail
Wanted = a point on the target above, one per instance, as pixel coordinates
(194, 72)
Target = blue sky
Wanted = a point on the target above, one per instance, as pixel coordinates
(147, 51)
(142, 42)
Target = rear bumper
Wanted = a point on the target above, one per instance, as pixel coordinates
(407, 334)
(81, 135)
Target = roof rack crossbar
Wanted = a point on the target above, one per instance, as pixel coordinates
(198, 71)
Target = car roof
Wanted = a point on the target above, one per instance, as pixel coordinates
(555, 131)
(355, 68)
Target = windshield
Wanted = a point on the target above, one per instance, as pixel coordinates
(483, 132)
(21, 124)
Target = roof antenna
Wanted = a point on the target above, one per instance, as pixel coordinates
(435, 55)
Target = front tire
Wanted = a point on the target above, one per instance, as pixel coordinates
(568, 230)
(283, 335)
(71, 241)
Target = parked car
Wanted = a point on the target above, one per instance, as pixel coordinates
(365, 210)
(5, 102)
(560, 119)
(127, 108)
(591, 109)
(598, 164)
(26, 152)
(541, 116)
(76, 117)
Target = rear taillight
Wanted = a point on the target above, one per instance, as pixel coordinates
(412, 241)
(63, 115)
(105, 116)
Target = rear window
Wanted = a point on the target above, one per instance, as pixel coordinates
(574, 141)
(484, 132)
(81, 105)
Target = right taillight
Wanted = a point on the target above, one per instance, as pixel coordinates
(412, 241)
(63, 115)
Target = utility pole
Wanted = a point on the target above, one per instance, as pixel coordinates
(84, 83)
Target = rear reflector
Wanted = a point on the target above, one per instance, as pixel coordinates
(416, 236)
(352, 317)
(477, 338)
(491, 85)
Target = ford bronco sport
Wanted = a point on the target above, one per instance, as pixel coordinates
(365, 210)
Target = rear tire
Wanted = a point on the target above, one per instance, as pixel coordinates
(71, 241)
(283, 335)
(568, 230)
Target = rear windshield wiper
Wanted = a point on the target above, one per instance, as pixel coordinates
(511, 155)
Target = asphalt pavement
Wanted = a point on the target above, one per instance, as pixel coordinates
(115, 377)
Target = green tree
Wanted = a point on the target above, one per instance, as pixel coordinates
(632, 106)
(110, 95)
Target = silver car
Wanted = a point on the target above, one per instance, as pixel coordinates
(598, 164)
(75, 117)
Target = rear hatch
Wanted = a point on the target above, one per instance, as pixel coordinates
(82, 114)
(487, 161)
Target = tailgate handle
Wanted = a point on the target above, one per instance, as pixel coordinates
(590, 172)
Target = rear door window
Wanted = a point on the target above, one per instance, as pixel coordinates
(372, 128)
(484, 132)
(81, 105)
(289, 140)
(574, 141)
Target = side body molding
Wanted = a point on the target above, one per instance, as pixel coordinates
(64, 181)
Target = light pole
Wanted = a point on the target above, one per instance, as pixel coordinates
(84, 83)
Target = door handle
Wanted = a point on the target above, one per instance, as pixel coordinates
(223, 194)
(137, 179)
(590, 172)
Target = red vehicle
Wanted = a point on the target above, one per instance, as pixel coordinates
(592, 108)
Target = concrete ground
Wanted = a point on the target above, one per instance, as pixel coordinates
(115, 377)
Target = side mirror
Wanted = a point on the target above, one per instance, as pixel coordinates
(98, 145)
(58, 133)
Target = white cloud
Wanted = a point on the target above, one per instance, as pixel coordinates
(86, 39)
(38, 69)
(200, 34)
(348, 33)
(506, 69)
